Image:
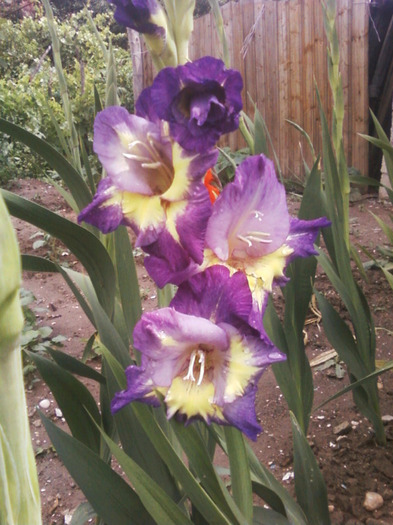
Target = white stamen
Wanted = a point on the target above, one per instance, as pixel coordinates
(201, 361)
(151, 165)
(255, 236)
(131, 156)
(190, 373)
(244, 239)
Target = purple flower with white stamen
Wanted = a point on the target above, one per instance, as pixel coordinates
(201, 100)
(250, 230)
(152, 184)
(200, 355)
(139, 15)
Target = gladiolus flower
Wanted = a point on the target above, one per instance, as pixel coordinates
(200, 355)
(201, 101)
(250, 230)
(153, 185)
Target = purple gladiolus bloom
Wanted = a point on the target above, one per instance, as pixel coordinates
(152, 184)
(201, 100)
(200, 355)
(250, 230)
(138, 15)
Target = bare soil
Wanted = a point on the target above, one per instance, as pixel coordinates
(352, 464)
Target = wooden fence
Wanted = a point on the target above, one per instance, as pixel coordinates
(279, 46)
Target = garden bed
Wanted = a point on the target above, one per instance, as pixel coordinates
(351, 462)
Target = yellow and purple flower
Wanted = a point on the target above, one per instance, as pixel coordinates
(250, 230)
(201, 100)
(200, 355)
(152, 184)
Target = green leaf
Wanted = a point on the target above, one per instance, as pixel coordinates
(240, 472)
(205, 504)
(74, 400)
(373, 375)
(69, 363)
(268, 517)
(83, 244)
(161, 508)
(127, 279)
(260, 140)
(111, 98)
(56, 161)
(309, 484)
(201, 464)
(266, 485)
(83, 513)
(110, 496)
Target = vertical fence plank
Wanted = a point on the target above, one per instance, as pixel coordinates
(307, 80)
(359, 81)
(283, 81)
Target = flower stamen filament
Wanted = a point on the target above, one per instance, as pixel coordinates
(201, 361)
(255, 236)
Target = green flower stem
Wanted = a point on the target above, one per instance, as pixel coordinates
(246, 134)
(19, 490)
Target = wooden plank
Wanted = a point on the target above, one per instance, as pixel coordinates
(320, 70)
(260, 65)
(283, 82)
(359, 94)
(296, 113)
(271, 111)
(309, 103)
(344, 12)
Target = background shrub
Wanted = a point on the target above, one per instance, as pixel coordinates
(29, 89)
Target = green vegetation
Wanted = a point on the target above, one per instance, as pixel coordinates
(30, 95)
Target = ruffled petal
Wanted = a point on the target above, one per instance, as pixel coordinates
(201, 100)
(241, 413)
(214, 294)
(139, 388)
(302, 236)
(168, 261)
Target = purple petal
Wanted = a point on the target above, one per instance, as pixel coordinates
(138, 389)
(167, 337)
(191, 225)
(241, 413)
(144, 107)
(101, 215)
(213, 294)
(132, 151)
(168, 262)
(302, 236)
(250, 218)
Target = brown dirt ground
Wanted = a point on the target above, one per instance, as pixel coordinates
(351, 464)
